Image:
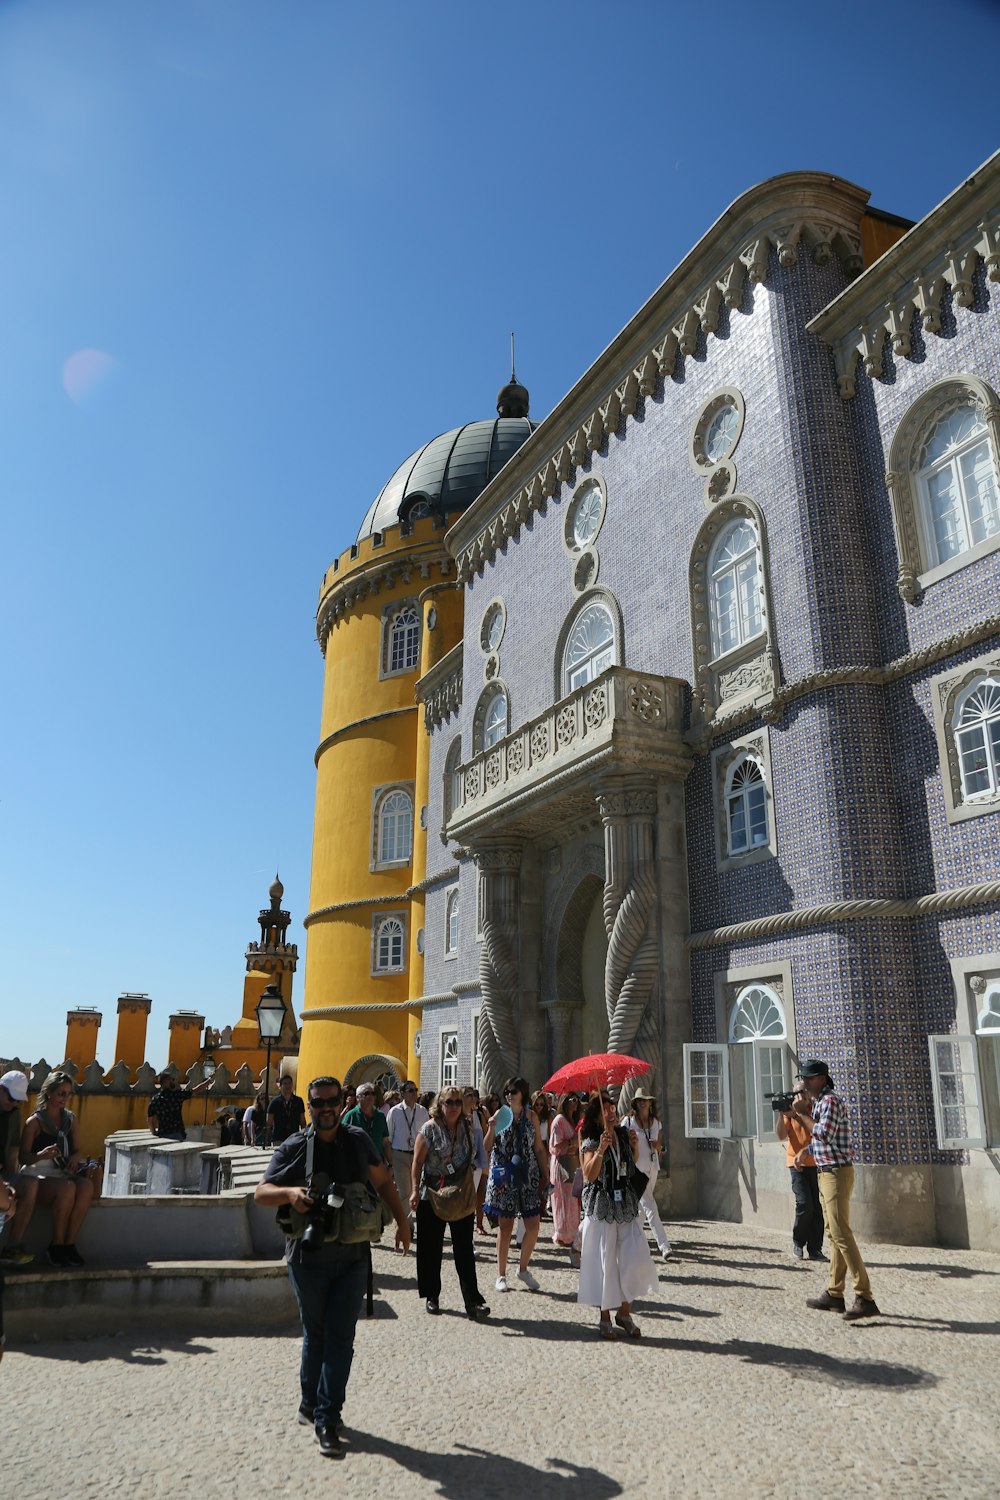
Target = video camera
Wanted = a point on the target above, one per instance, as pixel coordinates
(781, 1103)
(321, 1215)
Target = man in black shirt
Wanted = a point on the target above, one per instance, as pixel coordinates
(163, 1113)
(286, 1113)
(328, 1281)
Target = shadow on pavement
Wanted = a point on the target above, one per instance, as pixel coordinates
(808, 1363)
(930, 1325)
(950, 1273)
(475, 1471)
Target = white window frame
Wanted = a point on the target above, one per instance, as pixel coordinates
(594, 662)
(397, 614)
(395, 844)
(452, 914)
(448, 1064)
(379, 921)
(380, 797)
(953, 463)
(692, 1051)
(991, 792)
(729, 796)
(713, 571)
(750, 1107)
(494, 693)
(970, 1101)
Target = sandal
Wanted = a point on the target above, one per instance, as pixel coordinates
(606, 1331)
(628, 1326)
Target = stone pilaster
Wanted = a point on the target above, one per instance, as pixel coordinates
(499, 975)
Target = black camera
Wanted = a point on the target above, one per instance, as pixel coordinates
(781, 1103)
(320, 1221)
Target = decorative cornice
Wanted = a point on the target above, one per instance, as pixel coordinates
(322, 912)
(324, 1012)
(910, 279)
(331, 739)
(843, 911)
(801, 210)
(367, 582)
(850, 676)
(440, 689)
(442, 878)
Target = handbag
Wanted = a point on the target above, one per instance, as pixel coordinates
(457, 1198)
(577, 1188)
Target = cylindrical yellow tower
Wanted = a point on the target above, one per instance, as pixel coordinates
(133, 1014)
(82, 1026)
(388, 611)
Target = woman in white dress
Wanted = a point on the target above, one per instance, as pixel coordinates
(643, 1123)
(615, 1264)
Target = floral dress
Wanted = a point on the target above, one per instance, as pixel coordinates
(514, 1177)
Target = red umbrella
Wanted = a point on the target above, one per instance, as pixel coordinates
(599, 1070)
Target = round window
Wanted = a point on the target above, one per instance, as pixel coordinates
(585, 515)
(720, 439)
(717, 430)
(492, 628)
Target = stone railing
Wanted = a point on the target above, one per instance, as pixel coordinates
(627, 721)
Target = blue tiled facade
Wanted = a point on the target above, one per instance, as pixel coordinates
(856, 782)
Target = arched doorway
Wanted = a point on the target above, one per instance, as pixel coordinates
(376, 1067)
(581, 952)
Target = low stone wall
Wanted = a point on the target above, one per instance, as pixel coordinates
(134, 1231)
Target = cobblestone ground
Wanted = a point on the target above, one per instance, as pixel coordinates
(733, 1386)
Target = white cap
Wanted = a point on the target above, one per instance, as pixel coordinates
(16, 1085)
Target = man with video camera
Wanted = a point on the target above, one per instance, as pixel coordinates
(320, 1179)
(793, 1122)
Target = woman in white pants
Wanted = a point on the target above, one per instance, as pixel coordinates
(649, 1137)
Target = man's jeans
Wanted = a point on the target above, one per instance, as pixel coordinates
(835, 1190)
(807, 1231)
(329, 1295)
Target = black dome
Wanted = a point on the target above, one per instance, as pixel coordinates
(447, 473)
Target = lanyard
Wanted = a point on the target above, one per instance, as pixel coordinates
(409, 1126)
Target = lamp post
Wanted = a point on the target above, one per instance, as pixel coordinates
(209, 1068)
(271, 1010)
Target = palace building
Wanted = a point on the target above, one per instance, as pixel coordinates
(671, 723)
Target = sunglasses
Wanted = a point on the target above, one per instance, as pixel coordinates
(509, 1093)
(453, 1103)
(325, 1101)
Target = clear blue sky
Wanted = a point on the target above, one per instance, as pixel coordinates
(296, 236)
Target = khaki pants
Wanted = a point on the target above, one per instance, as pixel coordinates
(402, 1168)
(835, 1190)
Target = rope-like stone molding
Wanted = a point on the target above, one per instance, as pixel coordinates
(851, 676)
(324, 1012)
(499, 976)
(329, 911)
(841, 911)
(467, 987)
(433, 880)
(629, 898)
(387, 713)
(697, 312)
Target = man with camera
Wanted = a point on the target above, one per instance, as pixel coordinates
(793, 1126)
(318, 1180)
(830, 1146)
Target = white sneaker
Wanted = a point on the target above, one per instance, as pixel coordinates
(502, 1284)
(526, 1279)
(665, 1251)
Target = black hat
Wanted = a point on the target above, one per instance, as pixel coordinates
(814, 1067)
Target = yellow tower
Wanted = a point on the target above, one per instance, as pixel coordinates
(133, 1015)
(389, 609)
(82, 1026)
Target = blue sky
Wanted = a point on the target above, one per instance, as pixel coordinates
(254, 254)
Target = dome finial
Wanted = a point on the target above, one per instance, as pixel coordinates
(512, 401)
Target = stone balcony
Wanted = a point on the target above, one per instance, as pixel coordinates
(548, 770)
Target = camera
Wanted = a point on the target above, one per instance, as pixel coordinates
(781, 1103)
(320, 1221)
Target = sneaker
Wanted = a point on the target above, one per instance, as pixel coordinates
(665, 1251)
(16, 1255)
(72, 1256)
(304, 1416)
(863, 1307)
(825, 1303)
(329, 1441)
(798, 1252)
(526, 1279)
(502, 1284)
(56, 1256)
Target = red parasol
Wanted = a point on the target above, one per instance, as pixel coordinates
(599, 1069)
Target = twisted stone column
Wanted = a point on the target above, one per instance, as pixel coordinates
(630, 973)
(499, 975)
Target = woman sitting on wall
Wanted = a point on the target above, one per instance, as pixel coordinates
(615, 1264)
(50, 1151)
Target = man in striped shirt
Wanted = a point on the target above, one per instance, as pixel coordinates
(830, 1145)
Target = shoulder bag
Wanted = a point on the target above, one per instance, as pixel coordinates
(457, 1199)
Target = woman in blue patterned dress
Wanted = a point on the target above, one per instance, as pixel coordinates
(517, 1170)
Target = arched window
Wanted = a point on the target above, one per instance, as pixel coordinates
(757, 1026)
(418, 511)
(976, 724)
(404, 640)
(449, 1059)
(957, 485)
(395, 828)
(452, 790)
(451, 923)
(490, 721)
(590, 646)
(388, 955)
(735, 587)
(746, 806)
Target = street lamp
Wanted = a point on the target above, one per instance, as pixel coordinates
(271, 1010)
(209, 1068)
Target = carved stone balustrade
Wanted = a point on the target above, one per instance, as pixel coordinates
(543, 772)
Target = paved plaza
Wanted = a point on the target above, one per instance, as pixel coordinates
(733, 1384)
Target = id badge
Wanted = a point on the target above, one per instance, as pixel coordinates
(618, 1195)
(449, 1170)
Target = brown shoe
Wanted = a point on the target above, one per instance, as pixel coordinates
(826, 1303)
(863, 1307)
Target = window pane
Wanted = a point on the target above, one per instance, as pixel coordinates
(737, 825)
(946, 514)
(756, 800)
(974, 760)
(980, 493)
(405, 641)
(495, 721)
(590, 648)
(724, 612)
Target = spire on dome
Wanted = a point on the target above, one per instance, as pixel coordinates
(512, 400)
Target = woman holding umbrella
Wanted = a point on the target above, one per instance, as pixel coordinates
(615, 1264)
(517, 1164)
